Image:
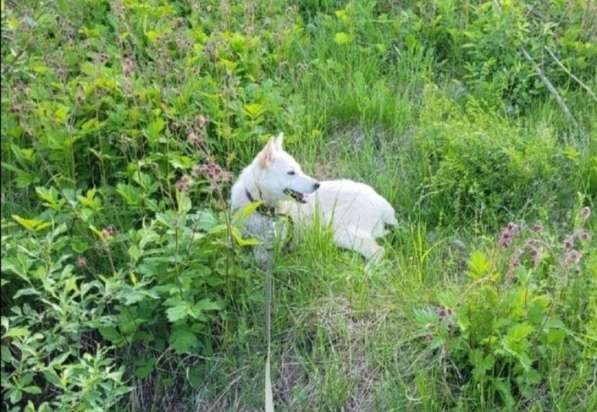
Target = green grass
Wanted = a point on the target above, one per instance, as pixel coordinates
(432, 104)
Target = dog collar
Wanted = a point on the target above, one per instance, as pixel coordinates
(262, 208)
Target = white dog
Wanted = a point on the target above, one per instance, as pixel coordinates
(356, 213)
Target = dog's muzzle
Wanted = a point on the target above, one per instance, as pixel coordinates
(298, 196)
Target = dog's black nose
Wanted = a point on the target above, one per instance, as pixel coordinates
(316, 186)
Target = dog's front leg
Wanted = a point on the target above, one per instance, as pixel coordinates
(263, 256)
(265, 231)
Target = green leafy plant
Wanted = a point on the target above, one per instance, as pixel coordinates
(517, 311)
(48, 355)
(473, 163)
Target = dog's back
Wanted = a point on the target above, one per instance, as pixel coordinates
(346, 205)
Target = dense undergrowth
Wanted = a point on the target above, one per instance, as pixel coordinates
(126, 284)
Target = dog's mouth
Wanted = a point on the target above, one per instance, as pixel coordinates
(298, 196)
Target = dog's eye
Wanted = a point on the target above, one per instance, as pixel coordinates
(292, 173)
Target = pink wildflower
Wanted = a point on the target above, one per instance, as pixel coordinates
(195, 140)
(201, 121)
(584, 235)
(183, 183)
(108, 232)
(573, 256)
(213, 172)
(585, 213)
(508, 233)
(82, 262)
(535, 255)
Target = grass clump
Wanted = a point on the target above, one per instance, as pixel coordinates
(473, 161)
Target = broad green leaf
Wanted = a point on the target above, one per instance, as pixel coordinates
(134, 253)
(503, 387)
(254, 110)
(182, 339)
(342, 15)
(204, 220)
(27, 292)
(15, 332)
(152, 35)
(515, 343)
(242, 241)
(137, 294)
(50, 196)
(555, 336)
(131, 195)
(181, 162)
(488, 362)
(52, 377)
(183, 201)
(44, 407)
(437, 342)
(32, 389)
(97, 232)
(537, 309)
(533, 377)
(31, 224)
(147, 236)
(60, 359)
(478, 265)
(342, 38)
(61, 113)
(15, 396)
(227, 64)
(425, 316)
(178, 312)
(110, 333)
(6, 354)
(447, 299)
(519, 332)
(90, 201)
(143, 367)
(207, 304)
(241, 215)
(153, 130)
(26, 379)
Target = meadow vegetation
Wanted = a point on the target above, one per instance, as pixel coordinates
(126, 282)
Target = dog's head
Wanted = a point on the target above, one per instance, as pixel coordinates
(280, 175)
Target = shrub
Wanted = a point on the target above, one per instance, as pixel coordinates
(481, 44)
(73, 294)
(476, 164)
(51, 358)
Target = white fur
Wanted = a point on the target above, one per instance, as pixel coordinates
(355, 212)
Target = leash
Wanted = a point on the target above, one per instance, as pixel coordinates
(269, 399)
(269, 212)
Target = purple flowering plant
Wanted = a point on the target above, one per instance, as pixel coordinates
(521, 305)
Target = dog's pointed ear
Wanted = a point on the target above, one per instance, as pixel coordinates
(267, 153)
(279, 141)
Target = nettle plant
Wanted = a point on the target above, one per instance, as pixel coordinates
(529, 296)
